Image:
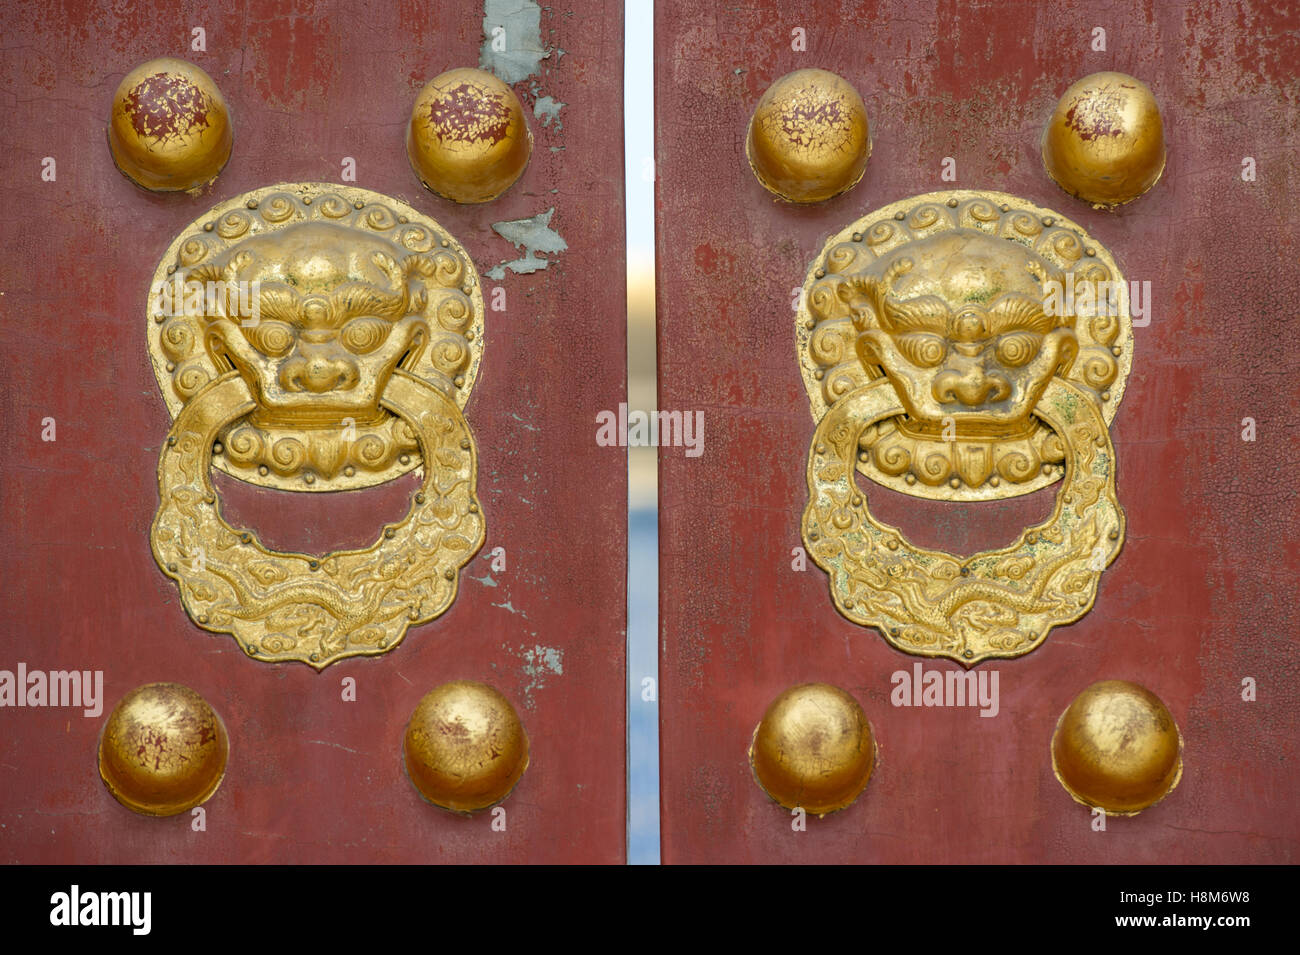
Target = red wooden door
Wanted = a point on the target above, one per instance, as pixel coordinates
(313, 777)
(1201, 597)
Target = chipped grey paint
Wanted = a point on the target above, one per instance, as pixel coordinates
(531, 235)
(523, 53)
(526, 425)
(509, 605)
(547, 110)
(538, 663)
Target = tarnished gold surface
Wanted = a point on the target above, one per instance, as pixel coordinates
(365, 344)
(813, 749)
(954, 324)
(809, 139)
(935, 356)
(1105, 142)
(468, 139)
(1117, 748)
(464, 747)
(163, 750)
(169, 130)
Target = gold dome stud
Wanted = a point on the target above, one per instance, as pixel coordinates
(1105, 143)
(163, 750)
(808, 139)
(468, 140)
(169, 130)
(465, 748)
(1117, 748)
(813, 749)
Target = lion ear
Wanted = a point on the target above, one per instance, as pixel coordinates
(216, 272)
(222, 277)
(207, 272)
(867, 296)
(234, 265)
(388, 265)
(862, 295)
(417, 263)
(899, 267)
(1069, 352)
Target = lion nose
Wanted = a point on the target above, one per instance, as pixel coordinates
(972, 387)
(318, 373)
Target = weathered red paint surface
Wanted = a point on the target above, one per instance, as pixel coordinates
(311, 778)
(1204, 591)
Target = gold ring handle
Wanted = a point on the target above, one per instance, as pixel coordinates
(317, 610)
(999, 603)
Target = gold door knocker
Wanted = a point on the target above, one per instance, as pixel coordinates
(312, 337)
(964, 346)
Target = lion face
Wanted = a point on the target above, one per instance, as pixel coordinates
(957, 323)
(332, 318)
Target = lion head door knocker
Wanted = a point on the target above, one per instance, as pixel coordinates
(311, 337)
(964, 346)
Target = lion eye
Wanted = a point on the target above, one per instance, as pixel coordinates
(921, 348)
(1018, 348)
(271, 338)
(363, 335)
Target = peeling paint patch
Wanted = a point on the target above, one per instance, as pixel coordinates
(544, 659)
(539, 662)
(511, 607)
(486, 580)
(512, 39)
(531, 235)
(547, 110)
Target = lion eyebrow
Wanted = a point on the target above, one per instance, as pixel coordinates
(923, 313)
(1013, 311)
(278, 302)
(356, 298)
